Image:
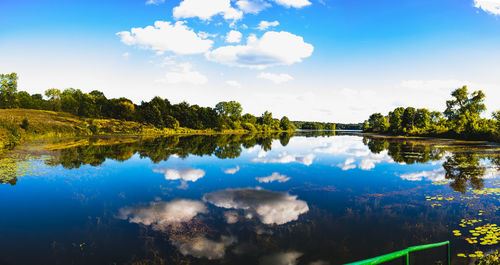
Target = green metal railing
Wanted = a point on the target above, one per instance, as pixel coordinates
(401, 253)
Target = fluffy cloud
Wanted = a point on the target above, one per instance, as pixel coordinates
(204, 9)
(233, 36)
(184, 75)
(276, 78)
(284, 158)
(232, 171)
(293, 3)
(273, 48)
(348, 164)
(263, 25)
(164, 36)
(490, 6)
(188, 174)
(434, 175)
(231, 217)
(345, 145)
(252, 6)
(201, 247)
(233, 83)
(352, 146)
(369, 161)
(274, 177)
(282, 258)
(162, 214)
(155, 2)
(269, 206)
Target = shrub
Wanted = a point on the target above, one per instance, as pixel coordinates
(248, 126)
(25, 124)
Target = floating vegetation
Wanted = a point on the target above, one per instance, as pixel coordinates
(440, 182)
(487, 191)
(15, 166)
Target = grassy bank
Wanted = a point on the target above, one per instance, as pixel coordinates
(19, 125)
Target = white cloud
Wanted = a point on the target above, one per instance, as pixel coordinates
(262, 153)
(490, 6)
(282, 258)
(284, 158)
(434, 175)
(204, 9)
(293, 3)
(348, 164)
(206, 35)
(252, 6)
(125, 54)
(276, 78)
(269, 206)
(274, 177)
(164, 36)
(233, 83)
(201, 247)
(184, 75)
(232, 171)
(162, 214)
(233, 36)
(273, 48)
(263, 25)
(188, 174)
(369, 161)
(155, 2)
(231, 217)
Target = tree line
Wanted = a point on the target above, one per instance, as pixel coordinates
(460, 120)
(311, 125)
(158, 111)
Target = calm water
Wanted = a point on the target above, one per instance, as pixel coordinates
(306, 199)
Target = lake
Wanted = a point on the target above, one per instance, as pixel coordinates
(311, 198)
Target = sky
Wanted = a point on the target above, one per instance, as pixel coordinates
(312, 60)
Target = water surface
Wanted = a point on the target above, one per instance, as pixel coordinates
(312, 198)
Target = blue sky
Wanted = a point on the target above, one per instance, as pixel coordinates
(316, 60)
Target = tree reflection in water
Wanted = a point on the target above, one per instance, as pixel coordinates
(463, 168)
(160, 149)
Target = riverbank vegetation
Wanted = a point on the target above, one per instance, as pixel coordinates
(73, 112)
(460, 120)
(311, 125)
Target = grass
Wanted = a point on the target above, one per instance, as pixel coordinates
(19, 125)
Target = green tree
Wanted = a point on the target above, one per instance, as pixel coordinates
(377, 123)
(69, 104)
(496, 116)
(249, 118)
(25, 100)
(395, 120)
(422, 118)
(171, 122)
(408, 119)
(266, 118)
(285, 123)
(231, 109)
(54, 96)
(8, 89)
(464, 110)
(436, 117)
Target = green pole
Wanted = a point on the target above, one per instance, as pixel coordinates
(401, 253)
(449, 256)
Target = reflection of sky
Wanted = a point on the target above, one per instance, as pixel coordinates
(344, 193)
